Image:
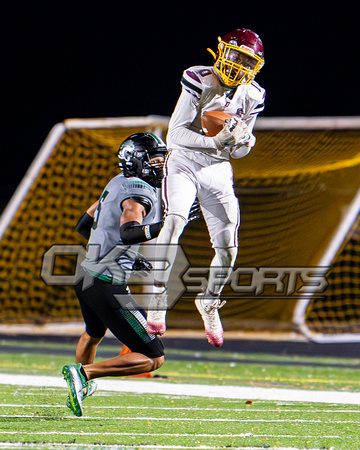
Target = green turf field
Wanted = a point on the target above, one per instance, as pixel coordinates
(37, 417)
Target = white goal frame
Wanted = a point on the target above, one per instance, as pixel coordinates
(158, 124)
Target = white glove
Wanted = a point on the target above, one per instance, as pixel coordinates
(242, 149)
(233, 133)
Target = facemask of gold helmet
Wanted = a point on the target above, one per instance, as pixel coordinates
(239, 58)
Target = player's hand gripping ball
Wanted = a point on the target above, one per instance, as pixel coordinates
(212, 122)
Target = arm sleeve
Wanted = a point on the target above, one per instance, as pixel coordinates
(134, 233)
(84, 225)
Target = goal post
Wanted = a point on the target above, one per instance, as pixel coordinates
(299, 198)
(335, 316)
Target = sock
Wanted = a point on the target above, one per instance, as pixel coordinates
(83, 373)
(210, 297)
(159, 290)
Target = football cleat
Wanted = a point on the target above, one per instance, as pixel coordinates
(88, 389)
(210, 315)
(157, 314)
(75, 381)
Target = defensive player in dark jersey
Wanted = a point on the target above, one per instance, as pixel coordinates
(115, 226)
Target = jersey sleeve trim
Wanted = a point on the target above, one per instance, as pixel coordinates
(144, 201)
(191, 86)
(257, 109)
(141, 192)
(192, 83)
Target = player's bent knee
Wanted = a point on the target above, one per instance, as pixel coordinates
(157, 362)
(85, 337)
(175, 223)
(226, 236)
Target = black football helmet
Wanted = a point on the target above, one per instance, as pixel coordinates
(135, 155)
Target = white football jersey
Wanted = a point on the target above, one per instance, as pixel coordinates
(202, 91)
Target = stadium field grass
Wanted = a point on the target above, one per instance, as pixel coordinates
(37, 417)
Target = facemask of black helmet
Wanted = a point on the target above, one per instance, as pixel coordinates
(142, 155)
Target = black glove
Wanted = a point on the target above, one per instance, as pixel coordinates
(195, 211)
(141, 267)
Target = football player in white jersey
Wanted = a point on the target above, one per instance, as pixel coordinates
(199, 166)
(124, 217)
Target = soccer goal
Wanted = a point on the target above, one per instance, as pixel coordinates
(300, 197)
(72, 167)
(299, 257)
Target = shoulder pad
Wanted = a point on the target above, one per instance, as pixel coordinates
(141, 192)
(137, 185)
(256, 91)
(257, 95)
(196, 79)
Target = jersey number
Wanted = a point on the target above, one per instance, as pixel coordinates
(205, 72)
(98, 210)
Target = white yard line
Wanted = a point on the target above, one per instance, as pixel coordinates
(176, 408)
(232, 392)
(184, 419)
(99, 433)
(9, 445)
(176, 419)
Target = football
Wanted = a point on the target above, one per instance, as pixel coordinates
(212, 122)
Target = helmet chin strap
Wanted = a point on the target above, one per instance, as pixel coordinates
(212, 52)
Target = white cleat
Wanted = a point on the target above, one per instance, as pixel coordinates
(210, 315)
(157, 314)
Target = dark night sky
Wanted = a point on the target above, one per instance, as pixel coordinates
(64, 59)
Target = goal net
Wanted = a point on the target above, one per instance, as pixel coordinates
(298, 262)
(69, 173)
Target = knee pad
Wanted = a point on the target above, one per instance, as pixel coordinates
(172, 229)
(226, 236)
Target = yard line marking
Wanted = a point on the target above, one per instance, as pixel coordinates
(232, 392)
(96, 433)
(187, 408)
(184, 419)
(136, 447)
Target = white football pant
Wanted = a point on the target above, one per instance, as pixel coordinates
(190, 175)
